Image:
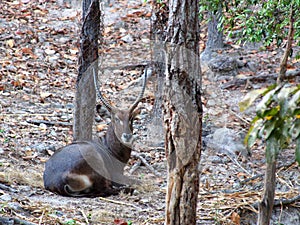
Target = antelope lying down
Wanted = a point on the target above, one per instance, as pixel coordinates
(95, 168)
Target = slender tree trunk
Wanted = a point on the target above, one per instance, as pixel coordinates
(159, 21)
(265, 207)
(283, 64)
(182, 112)
(85, 98)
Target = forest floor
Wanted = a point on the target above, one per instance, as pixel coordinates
(38, 68)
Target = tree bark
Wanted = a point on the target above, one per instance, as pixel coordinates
(85, 98)
(265, 207)
(214, 34)
(159, 21)
(182, 112)
(283, 64)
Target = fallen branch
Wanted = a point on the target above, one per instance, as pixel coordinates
(144, 161)
(118, 202)
(261, 175)
(289, 201)
(127, 67)
(7, 220)
(50, 123)
(7, 188)
(280, 202)
(238, 81)
(135, 167)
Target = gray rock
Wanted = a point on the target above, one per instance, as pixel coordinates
(127, 38)
(222, 67)
(6, 197)
(15, 206)
(225, 140)
(252, 66)
(222, 64)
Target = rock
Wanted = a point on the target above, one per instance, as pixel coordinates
(225, 140)
(221, 66)
(6, 197)
(127, 38)
(211, 102)
(15, 206)
(240, 63)
(252, 66)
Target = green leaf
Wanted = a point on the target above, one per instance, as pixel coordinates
(252, 134)
(267, 128)
(269, 113)
(284, 93)
(295, 129)
(294, 101)
(250, 98)
(264, 103)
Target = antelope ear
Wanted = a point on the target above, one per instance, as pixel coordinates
(135, 113)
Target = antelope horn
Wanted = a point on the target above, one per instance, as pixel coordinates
(109, 107)
(139, 98)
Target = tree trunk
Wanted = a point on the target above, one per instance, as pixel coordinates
(214, 37)
(265, 207)
(214, 34)
(159, 21)
(182, 112)
(283, 64)
(85, 98)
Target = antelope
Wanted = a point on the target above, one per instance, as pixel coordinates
(95, 168)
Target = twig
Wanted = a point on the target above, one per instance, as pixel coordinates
(238, 116)
(238, 164)
(118, 202)
(7, 220)
(27, 114)
(144, 161)
(85, 217)
(50, 123)
(41, 217)
(7, 188)
(128, 67)
(263, 77)
(288, 201)
(279, 202)
(261, 175)
(135, 167)
(252, 178)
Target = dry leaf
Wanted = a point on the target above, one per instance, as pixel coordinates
(45, 94)
(10, 43)
(27, 51)
(101, 127)
(235, 218)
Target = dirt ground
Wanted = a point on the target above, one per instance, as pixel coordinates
(38, 68)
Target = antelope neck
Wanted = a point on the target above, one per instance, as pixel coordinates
(116, 147)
